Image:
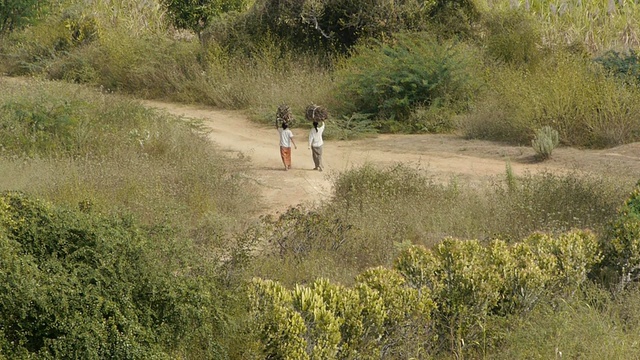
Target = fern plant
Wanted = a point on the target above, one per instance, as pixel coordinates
(545, 141)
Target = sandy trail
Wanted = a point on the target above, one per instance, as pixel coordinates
(443, 157)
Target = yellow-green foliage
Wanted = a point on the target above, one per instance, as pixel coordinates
(407, 311)
(323, 327)
(575, 254)
(469, 281)
(338, 322)
(568, 93)
(433, 300)
(281, 328)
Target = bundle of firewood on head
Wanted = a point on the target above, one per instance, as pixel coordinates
(316, 113)
(284, 115)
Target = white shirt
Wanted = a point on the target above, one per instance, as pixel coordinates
(285, 137)
(315, 137)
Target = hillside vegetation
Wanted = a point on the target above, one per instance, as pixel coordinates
(125, 234)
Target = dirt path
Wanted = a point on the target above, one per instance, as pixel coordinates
(443, 157)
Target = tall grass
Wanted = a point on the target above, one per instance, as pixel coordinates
(116, 156)
(593, 325)
(375, 212)
(597, 25)
(570, 94)
(124, 46)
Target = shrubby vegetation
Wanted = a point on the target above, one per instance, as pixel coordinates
(434, 300)
(390, 82)
(129, 238)
(112, 233)
(80, 285)
(375, 212)
(468, 290)
(487, 75)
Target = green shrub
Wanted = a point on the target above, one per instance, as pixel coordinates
(622, 247)
(624, 65)
(335, 25)
(434, 301)
(389, 81)
(16, 14)
(378, 317)
(80, 285)
(432, 119)
(196, 15)
(545, 141)
(470, 282)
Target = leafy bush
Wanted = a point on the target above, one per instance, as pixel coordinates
(545, 141)
(622, 247)
(79, 285)
(624, 65)
(196, 15)
(433, 301)
(378, 317)
(335, 25)
(470, 282)
(390, 81)
(15, 14)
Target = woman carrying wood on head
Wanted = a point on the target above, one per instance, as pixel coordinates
(317, 114)
(283, 115)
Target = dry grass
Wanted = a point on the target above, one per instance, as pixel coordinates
(129, 160)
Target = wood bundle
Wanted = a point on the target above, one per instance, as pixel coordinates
(316, 113)
(283, 114)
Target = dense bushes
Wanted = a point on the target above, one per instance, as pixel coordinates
(623, 245)
(389, 81)
(79, 285)
(196, 15)
(335, 25)
(16, 14)
(623, 65)
(470, 289)
(401, 71)
(434, 300)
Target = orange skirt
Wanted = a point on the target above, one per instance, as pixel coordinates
(285, 154)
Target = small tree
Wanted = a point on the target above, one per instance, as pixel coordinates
(195, 15)
(17, 13)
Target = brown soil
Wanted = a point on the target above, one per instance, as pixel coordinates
(443, 157)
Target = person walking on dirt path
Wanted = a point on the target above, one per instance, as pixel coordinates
(315, 144)
(286, 139)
